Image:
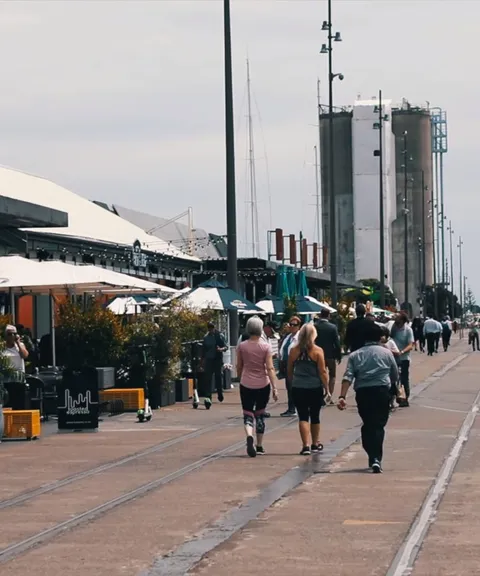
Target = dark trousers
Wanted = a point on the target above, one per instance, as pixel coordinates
(437, 340)
(421, 341)
(446, 340)
(431, 337)
(291, 403)
(213, 368)
(373, 405)
(405, 376)
(474, 341)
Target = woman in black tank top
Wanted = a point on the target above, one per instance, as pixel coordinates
(308, 375)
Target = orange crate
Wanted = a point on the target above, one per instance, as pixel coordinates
(133, 398)
(22, 424)
(191, 384)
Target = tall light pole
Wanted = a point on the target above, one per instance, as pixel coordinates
(452, 298)
(379, 126)
(328, 49)
(405, 218)
(434, 260)
(460, 244)
(230, 170)
(424, 246)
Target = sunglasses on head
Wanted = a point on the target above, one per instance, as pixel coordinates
(294, 324)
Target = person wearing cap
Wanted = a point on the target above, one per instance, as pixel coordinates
(355, 333)
(214, 346)
(371, 369)
(15, 351)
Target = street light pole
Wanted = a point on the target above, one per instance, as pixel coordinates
(452, 298)
(230, 170)
(381, 201)
(405, 219)
(460, 244)
(424, 244)
(327, 27)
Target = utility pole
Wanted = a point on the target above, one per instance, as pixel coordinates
(232, 271)
(424, 247)
(405, 219)
(317, 197)
(381, 201)
(452, 297)
(460, 244)
(328, 49)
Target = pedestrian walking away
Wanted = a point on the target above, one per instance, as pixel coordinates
(446, 333)
(329, 341)
(288, 343)
(430, 330)
(355, 332)
(390, 345)
(214, 345)
(473, 338)
(257, 379)
(371, 370)
(417, 327)
(308, 375)
(403, 337)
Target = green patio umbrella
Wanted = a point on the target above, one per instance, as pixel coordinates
(302, 288)
(281, 287)
(292, 285)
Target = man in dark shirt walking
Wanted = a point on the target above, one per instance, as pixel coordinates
(328, 340)
(214, 346)
(356, 329)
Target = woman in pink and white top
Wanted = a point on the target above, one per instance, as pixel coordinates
(257, 379)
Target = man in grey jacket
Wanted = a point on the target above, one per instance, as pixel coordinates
(371, 370)
(328, 340)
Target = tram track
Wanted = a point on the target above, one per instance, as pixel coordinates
(82, 475)
(18, 548)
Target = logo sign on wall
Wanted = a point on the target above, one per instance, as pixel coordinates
(139, 259)
(238, 304)
(77, 397)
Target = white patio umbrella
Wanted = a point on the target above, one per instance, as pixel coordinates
(322, 304)
(127, 305)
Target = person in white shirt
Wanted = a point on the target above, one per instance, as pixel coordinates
(15, 351)
(288, 343)
(432, 331)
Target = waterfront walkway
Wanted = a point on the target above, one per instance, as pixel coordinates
(179, 496)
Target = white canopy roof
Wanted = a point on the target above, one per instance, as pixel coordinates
(42, 277)
(85, 219)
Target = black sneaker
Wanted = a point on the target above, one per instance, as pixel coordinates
(260, 450)
(316, 447)
(288, 414)
(220, 397)
(377, 467)
(208, 403)
(267, 415)
(305, 451)
(251, 447)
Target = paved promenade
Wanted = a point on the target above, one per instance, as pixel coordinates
(179, 496)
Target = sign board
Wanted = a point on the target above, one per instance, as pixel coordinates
(77, 400)
(238, 304)
(139, 259)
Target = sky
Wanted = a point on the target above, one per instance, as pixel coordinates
(124, 101)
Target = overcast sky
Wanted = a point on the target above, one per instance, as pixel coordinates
(123, 101)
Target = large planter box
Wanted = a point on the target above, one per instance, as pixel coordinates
(167, 394)
(181, 390)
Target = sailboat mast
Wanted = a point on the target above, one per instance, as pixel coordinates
(251, 163)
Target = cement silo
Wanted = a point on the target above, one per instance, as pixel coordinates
(415, 122)
(342, 141)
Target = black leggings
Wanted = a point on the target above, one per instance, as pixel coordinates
(308, 402)
(254, 401)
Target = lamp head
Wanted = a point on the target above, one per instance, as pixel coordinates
(341, 76)
(325, 26)
(337, 37)
(324, 49)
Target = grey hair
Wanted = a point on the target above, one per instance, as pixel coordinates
(254, 326)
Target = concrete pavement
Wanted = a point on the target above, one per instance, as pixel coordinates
(212, 501)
